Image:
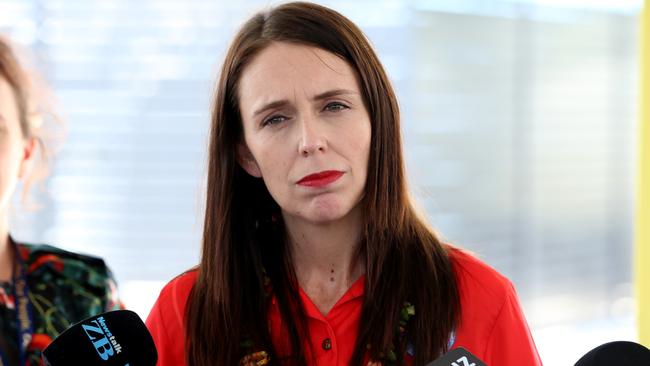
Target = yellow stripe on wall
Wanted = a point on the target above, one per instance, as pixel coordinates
(642, 246)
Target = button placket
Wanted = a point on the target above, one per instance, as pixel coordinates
(327, 344)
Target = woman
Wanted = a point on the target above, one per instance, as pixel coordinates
(312, 252)
(43, 290)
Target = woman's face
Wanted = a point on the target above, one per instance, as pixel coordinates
(15, 150)
(306, 131)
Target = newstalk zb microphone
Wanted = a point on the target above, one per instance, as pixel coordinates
(116, 338)
(457, 357)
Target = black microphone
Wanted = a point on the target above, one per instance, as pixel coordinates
(116, 338)
(618, 353)
(457, 357)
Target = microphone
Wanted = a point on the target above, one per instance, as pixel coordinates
(618, 353)
(115, 338)
(457, 357)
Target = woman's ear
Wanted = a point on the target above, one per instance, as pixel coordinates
(247, 161)
(29, 151)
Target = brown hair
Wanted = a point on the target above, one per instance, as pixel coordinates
(244, 238)
(33, 109)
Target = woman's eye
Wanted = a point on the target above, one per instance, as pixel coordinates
(335, 107)
(273, 120)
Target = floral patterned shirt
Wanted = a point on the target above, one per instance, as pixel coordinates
(64, 288)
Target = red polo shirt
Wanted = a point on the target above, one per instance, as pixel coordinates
(492, 324)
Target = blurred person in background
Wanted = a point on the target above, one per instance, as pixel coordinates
(313, 253)
(43, 289)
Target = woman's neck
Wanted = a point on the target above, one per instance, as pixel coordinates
(326, 257)
(6, 257)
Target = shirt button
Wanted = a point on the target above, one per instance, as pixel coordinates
(327, 344)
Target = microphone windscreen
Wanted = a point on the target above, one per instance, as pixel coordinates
(116, 338)
(618, 353)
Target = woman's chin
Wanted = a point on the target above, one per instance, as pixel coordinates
(324, 218)
(321, 212)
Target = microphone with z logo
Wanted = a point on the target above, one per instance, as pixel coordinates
(457, 357)
(115, 338)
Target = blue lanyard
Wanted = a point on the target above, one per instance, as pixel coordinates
(24, 314)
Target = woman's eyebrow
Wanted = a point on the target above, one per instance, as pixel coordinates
(333, 93)
(321, 96)
(272, 105)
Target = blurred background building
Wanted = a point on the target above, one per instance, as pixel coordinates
(519, 120)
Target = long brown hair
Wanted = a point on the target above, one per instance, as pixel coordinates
(244, 238)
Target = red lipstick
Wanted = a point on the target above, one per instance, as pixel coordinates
(320, 179)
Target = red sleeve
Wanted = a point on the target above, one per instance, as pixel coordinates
(166, 321)
(510, 342)
(492, 324)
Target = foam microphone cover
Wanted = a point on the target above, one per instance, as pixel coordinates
(116, 338)
(618, 353)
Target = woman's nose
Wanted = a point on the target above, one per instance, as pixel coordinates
(312, 138)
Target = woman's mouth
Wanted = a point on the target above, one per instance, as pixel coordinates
(320, 179)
